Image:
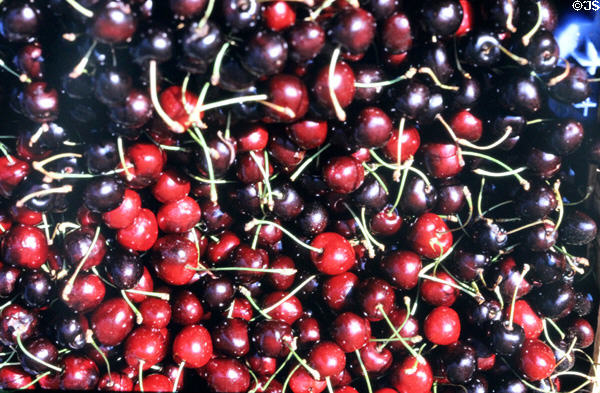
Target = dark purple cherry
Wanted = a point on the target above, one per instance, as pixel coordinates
(114, 22)
(354, 29)
(372, 194)
(577, 228)
(20, 22)
(381, 9)
(124, 269)
(187, 9)
(541, 237)
(154, 43)
(203, 43)
(521, 95)
(547, 266)
(554, 300)
(460, 362)
(368, 74)
(566, 136)
(265, 54)
(39, 102)
(288, 203)
(43, 349)
(542, 163)
(38, 289)
(103, 194)
(542, 52)
(313, 219)
(489, 236)
(397, 35)
(502, 15)
(535, 203)
(574, 88)
(306, 39)
(410, 98)
(373, 128)
(112, 86)
(441, 17)
(240, 15)
(506, 339)
(418, 197)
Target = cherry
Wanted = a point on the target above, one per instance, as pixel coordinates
(354, 29)
(145, 283)
(442, 326)
(124, 215)
(218, 293)
(289, 311)
(410, 142)
(467, 126)
(285, 152)
(14, 377)
(230, 337)
(418, 197)
(103, 194)
(442, 159)
(327, 358)
(554, 300)
(541, 237)
(30, 60)
(386, 222)
(397, 34)
(147, 160)
(39, 102)
(438, 294)
(302, 382)
(111, 86)
(20, 22)
(265, 54)
(581, 330)
(179, 216)
(124, 269)
(306, 39)
(37, 289)
(141, 234)
(80, 373)
(525, 317)
(193, 345)
(16, 321)
(9, 278)
(186, 308)
(343, 174)
(154, 383)
(174, 257)
(77, 244)
(368, 74)
(343, 85)
(375, 297)
(240, 16)
(116, 382)
(69, 330)
(272, 338)
(279, 15)
(429, 236)
(337, 290)
(112, 321)
(187, 9)
(113, 23)
(402, 269)
(411, 375)
(308, 134)
(226, 375)
(442, 18)
(287, 91)
(350, 331)
(176, 105)
(200, 46)
(577, 228)
(373, 127)
(24, 246)
(406, 326)
(252, 138)
(336, 256)
(547, 266)
(536, 360)
(40, 348)
(506, 339)
(460, 363)
(574, 88)
(145, 346)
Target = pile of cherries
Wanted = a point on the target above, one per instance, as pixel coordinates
(293, 196)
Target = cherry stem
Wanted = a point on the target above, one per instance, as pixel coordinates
(483, 172)
(509, 23)
(209, 9)
(272, 377)
(35, 358)
(38, 134)
(215, 78)
(198, 136)
(278, 108)
(520, 60)
(80, 67)
(396, 333)
(458, 65)
(232, 101)
(138, 315)
(524, 183)
(197, 244)
(265, 173)
(395, 167)
(469, 199)
(376, 176)
(121, 151)
(81, 9)
(172, 124)
(314, 373)
(326, 3)
(526, 268)
(527, 37)
(560, 205)
(289, 295)
(6, 154)
(559, 78)
(594, 80)
(464, 142)
(22, 77)
(367, 239)
(407, 75)
(307, 162)
(339, 111)
(555, 326)
(588, 193)
(283, 271)
(179, 372)
(255, 222)
(58, 190)
(246, 293)
(407, 165)
(89, 338)
(208, 181)
(399, 146)
(255, 237)
(329, 386)
(159, 295)
(531, 224)
(36, 380)
(194, 115)
(363, 211)
(141, 374)
(438, 83)
(39, 166)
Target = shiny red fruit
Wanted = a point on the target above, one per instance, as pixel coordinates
(430, 236)
(124, 215)
(536, 360)
(193, 345)
(141, 235)
(25, 246)
(178, 216)
(337, 255)
(442, 326)
(112, 321)
(412, 376)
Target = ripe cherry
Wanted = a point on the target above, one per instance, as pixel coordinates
(536, 360)
(154, 383)
(386, 222)
(350, 331)
(375, 297)
(306, 39)
(442, 326)
(186, 308)
(225, 374)
(412, 375)
(438, 294)
(230, 337)
(308, 134)
(124, 215)
(467, 126)
(146, 346)
(289, 311)
(40, 102)
(442, 159)
(397, 34)
(171, 186)
(336, 256)
(337, 290)
(327, 359)
(141, 234)
(442, 18)
(581, 330)
(156, 313)
(24, 246)
(79, 373)
(193, 345)
(429, 236)
(113, 23)
(278, 15)
(174, 258)
(179, 216)
(112, 321)
(402, 268)
(354, 29)
(526, 317)
(343, 86)
(287, 91)
(343, 174)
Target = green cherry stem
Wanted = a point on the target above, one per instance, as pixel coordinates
(339, 111)
(524, 183)
(34, 358)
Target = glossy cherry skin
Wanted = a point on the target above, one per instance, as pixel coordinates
(467, 126)
(343, 85)
(406, 326)
(79, 373)
(327, 359)
(506, 340)
(24, 246)
(103, 194)
(16, 320)
(124, 215)
(186, 9)
(179, 216)
(397, 35)
(40, 348)
(141, 234)
(336, 256)
(154, 383)
(307, 133)
(375, 297)
(343, 174)
(218, 293)
(581, 330)
(287, 91)
(148, 161)
(145, 345)
(271, 338)
(411, 376)
(186, 308)
(402, 269)
(386, 222)
(536, 360)
(112, 321)
(288, 311)
(527, 318)
(278, 15)
(442, 18)
(554, 300)
(265, 54)
(438, 294)
(113, 23)
(174, 257)
(116, 382)
(156, 313)
(354, 29)
(578, 228)
(171, 186)
(337, 290)
(442, 326)
(350, 331)
(230, 337)
(373, 127)
(226, 375)
(442, 159)
(302, 382)
(172, 100)
(306, 39)
(145, 283)
(252, 138)
(429, 236)
(40, 102)
(193, 345)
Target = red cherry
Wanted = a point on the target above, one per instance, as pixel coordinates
(24, 246)
(193, 345)
(373, 296)
(302, 382)
(226, 375)
(536, 360)
(12, 172)
(87, 293)
(242, 309)
(410, 326)
(442, 160)
(156, 313)
(467, 126)
(343, 174)
(583, 331)
(25, 216)
(278, 15)
(254, 138)
(141, 235)
(172, 99)
(397, 35)
(145, 345)
(309, 330)
(115, 382)
(286, 152)
(438, 294)
(308, 134)
(402, 268)
(154, 383)
(373, 127)
(375, 360)
(77, 244)
(79, 373)
(337, 290)
(174, 257)
(343, 85)
(525, 317)
(429, 236)
(412, 376)
(345, 389)
(124, 215)
(170, 186)
(5, 222)
(350, 331)
(337, 254)
(288, 311)
(442, 326)
(386, 223)
(112, 321)
(467, 20)
(179, 216)
(145, 284)
(263, 365)
(14, 377)
(409, 144)
(15, 320)
(287, 91)
(186, 308)
(249, 170)
(147, 160)
(217, 252)
(327, 359)
(88, 218)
